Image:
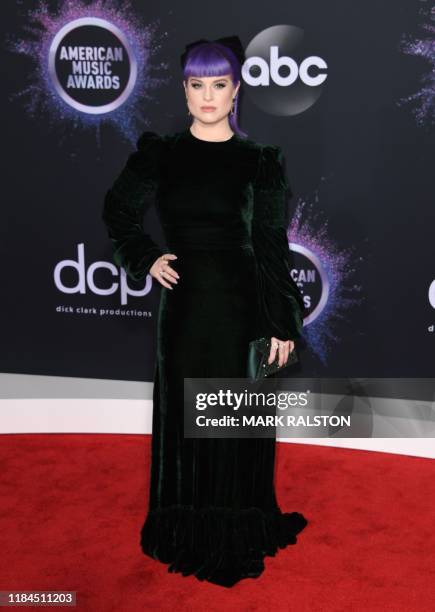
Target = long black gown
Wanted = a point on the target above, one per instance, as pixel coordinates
(212, 507)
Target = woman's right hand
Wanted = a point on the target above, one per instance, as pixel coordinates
(162, 271)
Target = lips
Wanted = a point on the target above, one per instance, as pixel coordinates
(208, 108)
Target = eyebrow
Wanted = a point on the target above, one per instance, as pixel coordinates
(218, 79)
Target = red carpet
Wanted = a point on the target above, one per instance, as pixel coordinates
(73, 506)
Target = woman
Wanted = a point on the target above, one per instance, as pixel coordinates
(225, 281)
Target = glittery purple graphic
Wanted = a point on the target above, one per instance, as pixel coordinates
(423, 100)
(308, 228)
(40, 96)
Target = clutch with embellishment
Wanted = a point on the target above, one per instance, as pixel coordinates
(258, 355)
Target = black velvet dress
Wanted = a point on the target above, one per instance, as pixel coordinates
(212, 510)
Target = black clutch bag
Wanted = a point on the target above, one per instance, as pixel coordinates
(258, 355)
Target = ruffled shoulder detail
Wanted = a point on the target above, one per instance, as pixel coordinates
(155, 144)
(144, 163)
(270, 171)
(148, 140)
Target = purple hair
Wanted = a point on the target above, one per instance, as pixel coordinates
(214, 59)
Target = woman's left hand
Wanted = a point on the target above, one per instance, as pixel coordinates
(280, 348)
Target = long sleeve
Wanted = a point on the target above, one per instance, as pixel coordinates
(281, 303)
(125, 204)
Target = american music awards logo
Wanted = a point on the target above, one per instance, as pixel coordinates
(326, 273)
(92, 64)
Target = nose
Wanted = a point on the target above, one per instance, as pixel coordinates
(208, 94)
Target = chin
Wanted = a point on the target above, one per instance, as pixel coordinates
(210, 117)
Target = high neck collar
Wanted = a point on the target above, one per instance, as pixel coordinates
(208, 142)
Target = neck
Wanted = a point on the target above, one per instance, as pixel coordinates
(213, 132)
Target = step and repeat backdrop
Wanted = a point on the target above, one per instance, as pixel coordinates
(345, 88)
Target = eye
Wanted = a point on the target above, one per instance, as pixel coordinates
(220, 85)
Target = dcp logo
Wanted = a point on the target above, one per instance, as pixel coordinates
(83, 278)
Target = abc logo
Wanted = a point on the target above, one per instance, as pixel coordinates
(282, 74)
(271, 71)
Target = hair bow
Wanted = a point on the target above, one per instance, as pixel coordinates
(232, 42)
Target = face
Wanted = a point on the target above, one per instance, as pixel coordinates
(210, 99)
